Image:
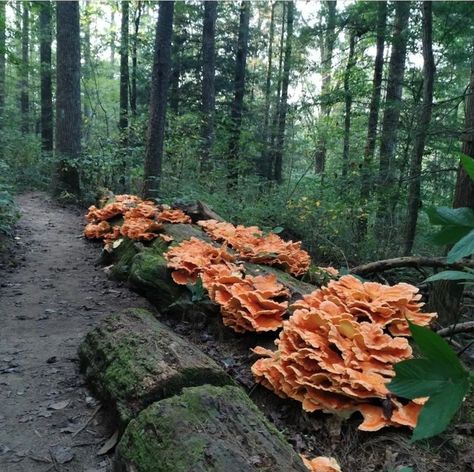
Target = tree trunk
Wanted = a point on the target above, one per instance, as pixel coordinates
(275, 119)
(391, 117)
(133, 91)
(348, 104)
(367, 178)
(327, 42)
(124, 76)
(208, 81)
(87, 63)
(423, 126)
(239, 90)
(45, 71)
(3, 19)
(112, 40)
(25, 65)
(68, 97)
(158, 99)
(263, 167)
(283, 106)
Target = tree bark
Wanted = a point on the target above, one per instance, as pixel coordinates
(263, 167)
(158, 99)
(327, 41)
(87, 62)
(46, 80)
(283, 106)
(25, 65)
(239, 91)
(208, 82)
(124, 74)
(366, 186)
(392, 116)
(414, 189)
(68, 97)
(133, 91)
(348, 104)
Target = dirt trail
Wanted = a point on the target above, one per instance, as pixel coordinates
(47, 304)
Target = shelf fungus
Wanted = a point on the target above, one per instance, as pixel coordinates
(321, 464)
(255, 246)
(336, 352)
(247, 303)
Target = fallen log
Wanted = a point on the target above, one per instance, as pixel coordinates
(409, 261)
(205, 429)
(458, 328)
(132, 360)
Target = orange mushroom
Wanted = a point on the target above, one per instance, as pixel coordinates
(173, 216)
(96, 231)
(140, 229)
(336, 352)
(252, 245)
(321, 464)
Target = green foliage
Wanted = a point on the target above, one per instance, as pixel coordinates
(439, 375)
(452, 275)
(8, 212)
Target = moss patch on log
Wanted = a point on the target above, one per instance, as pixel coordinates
(205, 429)
(132, 360)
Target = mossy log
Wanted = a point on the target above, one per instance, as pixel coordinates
(132, 360)
(205, 429)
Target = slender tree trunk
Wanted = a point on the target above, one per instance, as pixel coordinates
(158, 99)
(87, 60)
(45, 72)
(348, 104)
(367, 178)
(327, 41)
(124, 75)
(25, 66)
(284, 94)
(208, 81)
(3, 19)
(445, 295)
(177, 47)
(414, 188)
(263, 167)
(275, 119)
(112, 40)
(133, 91)
(239, 90)
(68, 97)
(391, 117)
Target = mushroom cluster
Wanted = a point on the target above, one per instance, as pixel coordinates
(337, 350)
(321, 464)
(247, 303)
(134, 218)
(254, 246)
(189, 258)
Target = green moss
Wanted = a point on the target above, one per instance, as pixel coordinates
(122, 258)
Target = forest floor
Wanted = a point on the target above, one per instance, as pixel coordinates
(52, 292)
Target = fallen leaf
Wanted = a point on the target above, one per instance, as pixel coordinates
(59, 405)
(62, 454)
(109, 444)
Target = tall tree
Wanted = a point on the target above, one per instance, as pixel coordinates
(158, 99)
(68, 97)
(239, 90)
(283, 105)
(86, 70)
(124, 75)
(136, 28)
(326, 46)
(348, 102)
(414, 188)
(369, 149)
(25, 67)
(263, 167)
(391, 116)
(2, 67)
(208, 81)
(45, 73)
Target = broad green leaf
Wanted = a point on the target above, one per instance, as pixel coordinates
(451, 275)
(435, 348)
(468, 164)
(450, 234)
(446, 216)
(463, 248)
(439, 410)
(277, 229)
(416, 378)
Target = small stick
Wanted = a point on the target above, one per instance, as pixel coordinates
(84, 426)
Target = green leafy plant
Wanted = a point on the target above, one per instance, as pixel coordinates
(437, 374)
